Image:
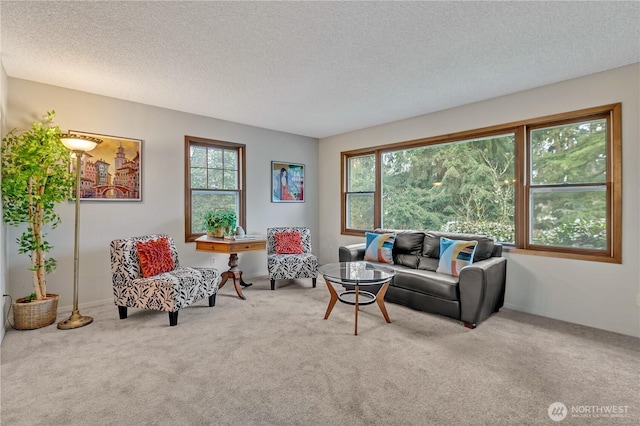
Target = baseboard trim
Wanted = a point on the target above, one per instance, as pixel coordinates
(627, 332)
(69, 308)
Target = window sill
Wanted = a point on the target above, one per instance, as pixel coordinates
(564, 255)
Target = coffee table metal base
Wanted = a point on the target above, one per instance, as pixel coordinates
(346, 296)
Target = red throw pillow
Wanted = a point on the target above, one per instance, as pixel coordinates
(288, 243)
(155, 257)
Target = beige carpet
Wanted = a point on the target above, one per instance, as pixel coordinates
(273, 360)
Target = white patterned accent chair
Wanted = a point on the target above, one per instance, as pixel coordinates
(291, 266)
(168, 291)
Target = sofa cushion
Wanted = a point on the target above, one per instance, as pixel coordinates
(431, 245)
(455, 255)
(409, 242)
(407, 247)
(427, 282)
(427, 263)
(409, 260)
(379, 247)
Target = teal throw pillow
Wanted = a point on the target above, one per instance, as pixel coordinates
(379, 247)
(455, 255)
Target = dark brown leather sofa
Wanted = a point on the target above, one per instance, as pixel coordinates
(471, 298)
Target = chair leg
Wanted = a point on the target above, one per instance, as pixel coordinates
(173, 318)
(122, 310)
(212, 300)
(313, 280)
(273, 284)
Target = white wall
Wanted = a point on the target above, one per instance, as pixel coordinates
(162, 208)
(3, 270)
(596, 294)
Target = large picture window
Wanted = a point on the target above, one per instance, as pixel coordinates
(214, 179)
(465, 186)
(548, 186)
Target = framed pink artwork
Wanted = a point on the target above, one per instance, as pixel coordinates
(287, 182)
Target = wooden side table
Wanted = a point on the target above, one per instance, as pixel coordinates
(233, 247)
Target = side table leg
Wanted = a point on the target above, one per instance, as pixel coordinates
(223, 280)
(237, 278)
(234, 273)
(233, 265)
(332, 300)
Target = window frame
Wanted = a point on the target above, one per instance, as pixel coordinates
(345, 194)
(521, 129)
(190, 141)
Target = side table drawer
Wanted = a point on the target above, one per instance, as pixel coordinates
(249, 246)
(218, 245)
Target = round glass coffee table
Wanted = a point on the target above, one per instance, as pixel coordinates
(352, 276)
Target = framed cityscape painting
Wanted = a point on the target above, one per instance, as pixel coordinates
(287, 182)
(112, 171)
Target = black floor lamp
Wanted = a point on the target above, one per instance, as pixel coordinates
(78, 144)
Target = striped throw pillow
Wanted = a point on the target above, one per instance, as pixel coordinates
(379, 247)
(455, 255)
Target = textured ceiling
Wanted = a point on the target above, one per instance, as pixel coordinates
(313, 68)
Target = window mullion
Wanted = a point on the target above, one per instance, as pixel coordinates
(377, 196)
(522, 187)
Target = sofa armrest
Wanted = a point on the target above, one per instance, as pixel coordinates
(351, 253)
(482, 287)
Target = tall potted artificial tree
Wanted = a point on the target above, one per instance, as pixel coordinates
(35, 176)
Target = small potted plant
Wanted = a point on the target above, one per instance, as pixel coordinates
(220, 222)
(35, 177)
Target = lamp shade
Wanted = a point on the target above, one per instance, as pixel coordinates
(79, 142)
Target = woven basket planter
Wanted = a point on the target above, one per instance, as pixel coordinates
(35, 314)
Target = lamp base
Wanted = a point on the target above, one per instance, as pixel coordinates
(75, 321)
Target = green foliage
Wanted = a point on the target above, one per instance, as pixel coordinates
(580, 233)
(574, 153)
(213, 168)
(361, 211)
(205, 201)
(35, 177)
(466, 183)
(503, 232)
(225, 219)
(363, 173)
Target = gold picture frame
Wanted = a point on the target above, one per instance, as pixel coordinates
(112, 171)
